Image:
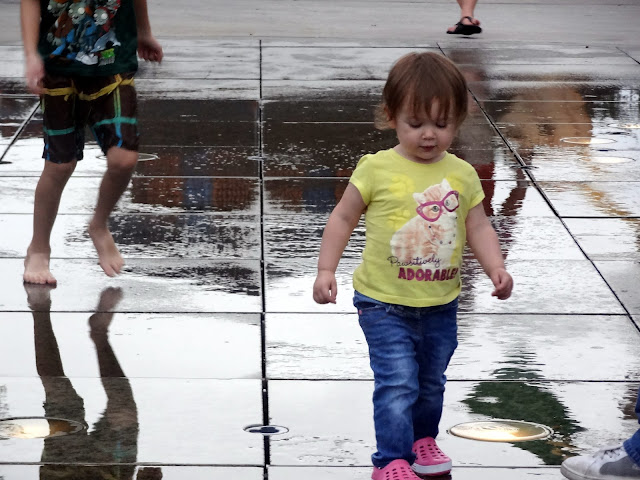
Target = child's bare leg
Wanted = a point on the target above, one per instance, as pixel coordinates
(120, 166)
(45, 209)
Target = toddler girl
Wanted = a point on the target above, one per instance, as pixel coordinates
(421, 205)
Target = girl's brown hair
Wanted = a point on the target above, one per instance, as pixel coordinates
(415, 81)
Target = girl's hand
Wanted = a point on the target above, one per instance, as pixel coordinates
(503, 283)
(149, 49)
(34, 73)
(325, 287)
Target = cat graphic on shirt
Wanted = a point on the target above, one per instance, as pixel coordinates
(430, 237)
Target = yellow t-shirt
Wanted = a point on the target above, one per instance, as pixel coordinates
(415, 227)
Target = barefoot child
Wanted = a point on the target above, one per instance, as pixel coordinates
(80, 57)
(421, 205)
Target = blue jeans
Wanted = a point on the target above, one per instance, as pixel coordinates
(632, 445)
(409, 351)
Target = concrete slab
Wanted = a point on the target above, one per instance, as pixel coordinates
(320, 195)
(463, 473)
(16, 109)
(527, 89)
(299, 236)
(230, 342)
(188, 429)
(599, 114)
(549, 287)
(518, 54)
(32, 472)
(622, 276)
(581, 164)
(303, 143)
(491, 347)
(331, 431)
(190, 236)
(593, 199)
(606, 238)
(161, 195)
(196, 285)
(25, 159)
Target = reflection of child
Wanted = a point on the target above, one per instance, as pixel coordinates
(421, 205)
(84, 76)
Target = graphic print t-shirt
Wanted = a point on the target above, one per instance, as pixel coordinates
(415, 227)
(88, 37)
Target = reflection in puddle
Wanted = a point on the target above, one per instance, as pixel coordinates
(113, 438)
(530, 402)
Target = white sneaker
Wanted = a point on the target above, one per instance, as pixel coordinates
(607, 464)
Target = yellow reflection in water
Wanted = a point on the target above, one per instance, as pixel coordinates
(586, 140)
(28, 428)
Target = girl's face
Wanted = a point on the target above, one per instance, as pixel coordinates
(423, 138)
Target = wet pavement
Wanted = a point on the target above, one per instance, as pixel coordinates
(212, 328)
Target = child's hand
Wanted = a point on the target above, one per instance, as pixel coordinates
(503, 283)
(325, 287)
(149, 49)
(34, 73)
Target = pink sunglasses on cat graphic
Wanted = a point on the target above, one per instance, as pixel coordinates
(431, 211)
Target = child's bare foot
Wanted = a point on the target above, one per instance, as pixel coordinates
(36, 268)
(109, 257)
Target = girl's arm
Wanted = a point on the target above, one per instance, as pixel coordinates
(33, 64)
(148, 46)
(483, 240)
(340, 225)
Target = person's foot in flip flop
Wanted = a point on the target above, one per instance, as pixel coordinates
(466, 26)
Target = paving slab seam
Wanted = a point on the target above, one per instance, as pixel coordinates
(263, 272)
(628, 55)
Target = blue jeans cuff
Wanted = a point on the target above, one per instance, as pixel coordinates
(632, 447)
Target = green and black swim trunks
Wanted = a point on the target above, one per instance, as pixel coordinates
(107, 105)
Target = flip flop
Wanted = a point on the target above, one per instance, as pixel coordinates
(462, 29)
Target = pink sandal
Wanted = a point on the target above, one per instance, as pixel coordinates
(396, 470)
(430, 460)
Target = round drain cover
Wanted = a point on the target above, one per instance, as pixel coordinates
(501, 431)
(610, 160)
(37, 427)
(266, 430)
(142, 157)
(624, 125)
(586, 140)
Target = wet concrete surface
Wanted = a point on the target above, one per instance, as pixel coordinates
(212, 327)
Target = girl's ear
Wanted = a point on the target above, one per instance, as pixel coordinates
(390, 120)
